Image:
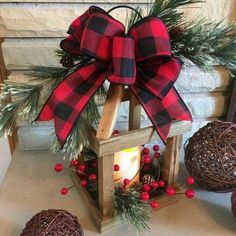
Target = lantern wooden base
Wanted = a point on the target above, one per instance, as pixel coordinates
(104, 223)
(105, 149)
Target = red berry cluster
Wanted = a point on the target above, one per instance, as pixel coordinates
(87, 178)
(147, 189)
(146, 154)
(170, 191)
(81, 170)
(189, 193)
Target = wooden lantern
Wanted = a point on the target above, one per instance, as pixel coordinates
(106, 145)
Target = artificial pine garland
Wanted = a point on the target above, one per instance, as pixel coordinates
(201, 42)
(129, 206)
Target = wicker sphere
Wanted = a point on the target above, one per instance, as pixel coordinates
(53, 223)
(233, 203)
(210, 156)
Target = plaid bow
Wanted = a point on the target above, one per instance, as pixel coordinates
(140, 59)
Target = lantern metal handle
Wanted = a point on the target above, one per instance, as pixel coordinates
(129, 7)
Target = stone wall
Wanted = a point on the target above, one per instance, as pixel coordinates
(33, 29)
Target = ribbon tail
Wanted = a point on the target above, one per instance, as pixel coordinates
(162, 112)
(70, 97)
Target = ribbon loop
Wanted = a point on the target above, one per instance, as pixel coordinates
(123, 61)
(97, 36)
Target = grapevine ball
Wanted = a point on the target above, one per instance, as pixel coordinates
(210, 156)
(53, 222)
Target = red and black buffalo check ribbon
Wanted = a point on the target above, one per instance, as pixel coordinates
(140, 59)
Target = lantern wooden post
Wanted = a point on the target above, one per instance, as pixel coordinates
(106, 184)
(134, 113)
(106, 163)
(171, 160)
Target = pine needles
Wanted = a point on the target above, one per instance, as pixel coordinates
(206, 43)
(128, 206)
(168, 10)
(25, 103)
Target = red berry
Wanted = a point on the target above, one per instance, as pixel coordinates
(116, 167)
(154, 184)
(95, 164)
(170, 191)
(145, 151)
(74, 162)
(116, 132)
(156, 148)
(161, 183)
(83, 182)
(157, 155)
(154, 204)
(144, 196)
(189, 193)
(190, 180)
(146, 188)
(81, 168)
(58, 167)
(126, 181)
(147, 160)
(64, 190)
(92, 177)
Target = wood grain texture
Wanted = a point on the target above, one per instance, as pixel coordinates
(171, 160)
(103, 223)
(134, 138)
(110, 111)
(134, 113)
(106, 184)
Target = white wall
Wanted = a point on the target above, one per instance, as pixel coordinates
(5, 158)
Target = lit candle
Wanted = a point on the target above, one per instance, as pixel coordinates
(129, 163)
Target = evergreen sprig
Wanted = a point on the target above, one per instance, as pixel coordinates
(168, 10)
(49, 77)
(134, 17)
(128, 206)
(205, 43)
(25, 103)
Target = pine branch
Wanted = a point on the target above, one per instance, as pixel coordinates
(129, 207)
(25, 103)
(205, 42)
(168, 10)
